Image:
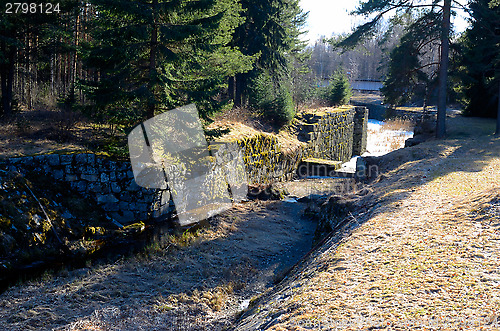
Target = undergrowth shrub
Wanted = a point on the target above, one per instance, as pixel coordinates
(273, 100)
(339, 92)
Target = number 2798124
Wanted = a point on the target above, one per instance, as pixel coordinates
(31, 8)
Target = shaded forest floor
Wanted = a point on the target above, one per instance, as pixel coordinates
(423, 254)
(40, 131)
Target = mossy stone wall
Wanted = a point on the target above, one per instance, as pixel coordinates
(333, 135)
(109, 183)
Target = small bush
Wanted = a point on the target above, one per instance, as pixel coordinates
(339, 92)
(282, 109)
(275, 102)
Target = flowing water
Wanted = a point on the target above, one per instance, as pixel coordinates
(382, 139)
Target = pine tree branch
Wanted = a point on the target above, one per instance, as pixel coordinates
(421, 67)
(425, 43)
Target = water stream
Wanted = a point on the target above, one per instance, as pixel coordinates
(381, 140)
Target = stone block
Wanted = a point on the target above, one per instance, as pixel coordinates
(142, 207)
(121, 175)
(104, 177)
(71, 178)
(90, 178)
(124, 205)
(111, 207)
(125, 196)
(133, 187)
(123, 217)
(30, 160)
(81, 186)
(107, 199)
(68, 169)
(53, 159)
(39, 158)
(58, 174)
(81, 158)
(111, 165)
(115, 188)
(46, 169)
(89, 170)
(105, 188)
(66, 159)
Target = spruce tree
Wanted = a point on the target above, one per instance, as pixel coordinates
(270, 33)
(155, 55)
(479, 74)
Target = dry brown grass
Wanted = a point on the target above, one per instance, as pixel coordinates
(425, 256)
(398, 124)
(195, 281)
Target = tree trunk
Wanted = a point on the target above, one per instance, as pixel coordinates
(7, 78)
(426, 100)
(152, 63)
(230, 88)
(497, 132)
(238, 90)
(443, 71)
(74, 72)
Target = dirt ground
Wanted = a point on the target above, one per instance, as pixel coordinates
(421, 252)
(196, 282)
(423, 256)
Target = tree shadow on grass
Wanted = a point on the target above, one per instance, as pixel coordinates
(242, 252)
(402, 171)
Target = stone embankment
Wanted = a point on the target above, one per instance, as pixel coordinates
(108, 187)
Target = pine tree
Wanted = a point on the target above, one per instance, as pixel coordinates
(381, 7)
(26, 40)
(407, 70)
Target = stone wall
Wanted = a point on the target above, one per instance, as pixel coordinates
(360, 133)
(333, 135)
(109, 183)
(266, 162)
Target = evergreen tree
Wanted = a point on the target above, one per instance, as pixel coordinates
(479, 74)
(339, 91)
(270, 33)
(381, 7)
(154, 55)
(409, 68)
(27, 38)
